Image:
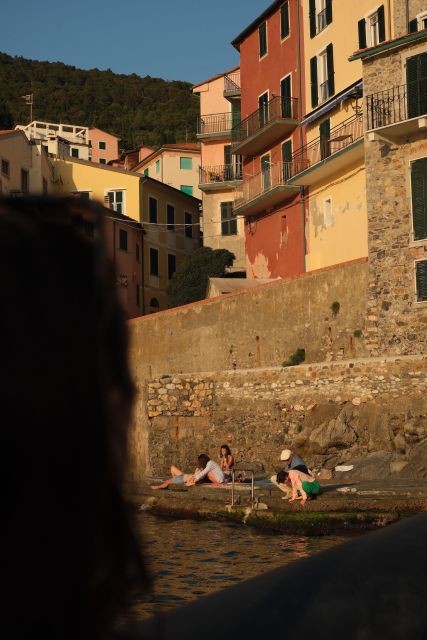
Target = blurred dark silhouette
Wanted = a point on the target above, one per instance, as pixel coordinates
(71, 561)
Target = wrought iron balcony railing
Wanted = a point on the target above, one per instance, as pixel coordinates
(276, 175)
(340, 137)
(391, 106)
(220, 173)
(232, 84)
(217, 123)
(278, 107)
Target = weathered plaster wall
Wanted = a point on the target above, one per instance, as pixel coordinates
(331, 413)
(397, 323)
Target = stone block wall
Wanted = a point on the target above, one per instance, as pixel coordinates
(396, 322)
(331, 413)
(403, 12)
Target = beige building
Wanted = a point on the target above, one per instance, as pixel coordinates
(25, 168)
(221, 171)
(170, 217)
(177, 165)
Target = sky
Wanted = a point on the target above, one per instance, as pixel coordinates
(186, 40)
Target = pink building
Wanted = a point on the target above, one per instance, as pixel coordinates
(103, 146)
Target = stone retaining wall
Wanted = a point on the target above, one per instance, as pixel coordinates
(373, 410)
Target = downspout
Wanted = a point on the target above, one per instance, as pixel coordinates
(301, 139)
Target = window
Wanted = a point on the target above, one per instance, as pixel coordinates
(286, 96)
(262, 34)
(187, 189)
(263, 109)
(152, 210)
(421, 280)
(186, 163)
(102, 161)
(322, 76)
(170, 217)
(266, 172)
(171, 265)
(74, 153)
(25, 186)
(123, 240)
(157, 166)
(84, 195)
(116, 200)
(228, 219)
(188, 229)
(422, 21)
(154, 305)
(102, 145)
(320, 12)
(416, 78)
(146, 173)
(5, 168)
(46, 148)
(325, 138)
(372, 29)
(90, 144)
(419, 198)
(284, 20)
(154, 262)
(286, 159)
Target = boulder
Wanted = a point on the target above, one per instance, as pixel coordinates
(416, 469)
(336, 434)
(373, 466)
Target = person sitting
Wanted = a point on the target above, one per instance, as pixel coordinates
(293, 461)
(226, 461)
(304, 486)
(207, 471)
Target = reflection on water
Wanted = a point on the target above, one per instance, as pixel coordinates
(189, 559)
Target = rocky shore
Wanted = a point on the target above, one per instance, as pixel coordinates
(341, 508)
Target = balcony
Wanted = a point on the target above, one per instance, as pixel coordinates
(215, 127)
(223, 176)
(325, 156)
(232, 90)
(271, 122)
(397, 112)
(264, 191)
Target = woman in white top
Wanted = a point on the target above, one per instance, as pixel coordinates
(207, 471)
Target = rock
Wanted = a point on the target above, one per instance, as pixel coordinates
(342, 468)
(337, 434)
(397, 466)
(356, 401)
(373, 466)
(325, 474)
(416, 469)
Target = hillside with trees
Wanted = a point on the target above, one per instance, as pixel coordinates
(139, 110)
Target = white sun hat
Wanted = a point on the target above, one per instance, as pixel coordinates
(285, 455)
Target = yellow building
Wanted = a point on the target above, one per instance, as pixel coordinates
(177, 165)
(24, 168)
(331, 165)
(220, 172)
(170, 217)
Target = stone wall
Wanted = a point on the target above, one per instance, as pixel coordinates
(405, 11)
(396, 322)
(365, 409)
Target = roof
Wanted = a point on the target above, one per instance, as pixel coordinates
(249, 29)
(401, 41)
(187, 146)
(103, 131)
(219, 75)
(3, 132)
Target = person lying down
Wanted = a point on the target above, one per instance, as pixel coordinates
(207, 471)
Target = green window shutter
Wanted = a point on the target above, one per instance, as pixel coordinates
(284, 20)
(285, 92)
(413, 26)
(286, 158)
(421, 279)
(381, 23)
(186, 163)
(262, 32)
(361, 25)
(146, 172)
(312, 12)
(328, 11)
(187, 189)
(416, 77)
(157, 166)
(325, 134)
(314, 87)
(152, 208)
(419, 198)
(75, 153)
(227, 155)
(228, 219)
(331, 73)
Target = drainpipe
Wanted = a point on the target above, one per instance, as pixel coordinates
(301, 140)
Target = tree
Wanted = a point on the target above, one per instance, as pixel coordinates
(190, 281)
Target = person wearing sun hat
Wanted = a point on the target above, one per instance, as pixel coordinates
(293, 462)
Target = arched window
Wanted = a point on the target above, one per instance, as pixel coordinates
(154, 305)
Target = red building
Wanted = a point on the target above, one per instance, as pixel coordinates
(272, 100)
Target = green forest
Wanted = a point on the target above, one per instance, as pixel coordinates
(140, 110)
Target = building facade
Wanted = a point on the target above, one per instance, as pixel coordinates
(395, 85)
(25, 168)
(272, 75)
(170, 218)
(221, 170)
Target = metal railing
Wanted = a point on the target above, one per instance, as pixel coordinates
(215, 123)
(261, 183)
(396, 104)
(278, 107)
(232, 83)
(340, 137)
(220, 173)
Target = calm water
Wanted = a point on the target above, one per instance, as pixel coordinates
(190, 559)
